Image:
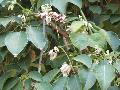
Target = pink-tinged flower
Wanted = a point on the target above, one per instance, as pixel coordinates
(65, 69)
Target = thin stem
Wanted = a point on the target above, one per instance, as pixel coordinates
(83, 15)
(40, 60)
(66, 43)
(44, 27)
(20, 5)
(68, 58)
(42, 51)
(65, 53)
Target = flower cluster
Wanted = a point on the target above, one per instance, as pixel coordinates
(53, 53)
(65, 69)
(49, 15)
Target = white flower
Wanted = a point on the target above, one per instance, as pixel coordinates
(53, 53)
(90, 25)
(98, 50)
(23, 18)
(85, 23)
(11, 7)
(110, 62)
(56, 49)
(107, 53)
(65, 69)
(48, 19)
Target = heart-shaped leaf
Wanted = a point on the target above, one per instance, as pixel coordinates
(35, 75)
(97, 39)
(1, 1)
(76, 26)
(50, 75)
(36, 36)
(10, 84)
(15, 42)
(86, 60)
(105, 74)
(43, 86)
(87, 78)
(60, 84)
(2, 39)
(95, 9)
(61, 5)
(5, 76)
(74, 83)
(113, 40)
(79, 40)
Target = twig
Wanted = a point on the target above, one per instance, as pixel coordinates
(40, 60)
(42, 51)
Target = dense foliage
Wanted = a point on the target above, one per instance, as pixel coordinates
(59, 45)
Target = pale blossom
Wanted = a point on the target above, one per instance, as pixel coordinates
(97, 49)
(53, 53)
(107, 53)
(65, 69)
(23, 18)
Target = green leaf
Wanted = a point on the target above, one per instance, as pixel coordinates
(4, 21)
(50, 75)
(43, 86)
(15, 42)
(2, 39)
(24, 62)
(76, 26)
(79, 40)
(114, 19)
(63, 3)
(58, 61)
(97, 39)
(113, 7)
(36, 36)
(1, 1)
(5, 76)
(93, 0)
(74, 83)
(113, 40)
(117, 65)
(28, 84)
(113, 88)
(85, 59)
(105, 74)
(95, 9)
(1, 59)
(35, 75)
(104, 18)
(3, 53)
(42, 2)
(87, 78)
(10, 84)
(60, 84)
(18, 86)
